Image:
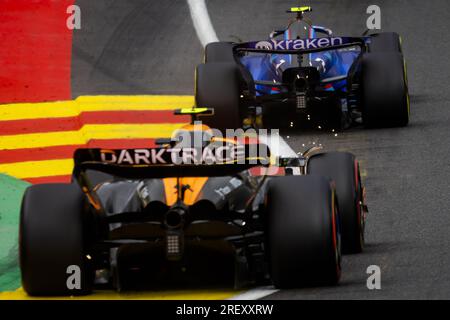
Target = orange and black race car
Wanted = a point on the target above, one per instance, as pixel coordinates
(197, 205)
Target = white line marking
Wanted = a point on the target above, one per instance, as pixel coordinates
(202, 22)
(255, 294)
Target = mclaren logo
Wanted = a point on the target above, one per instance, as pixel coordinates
(299, 44)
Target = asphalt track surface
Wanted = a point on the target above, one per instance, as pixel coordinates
(150, 47)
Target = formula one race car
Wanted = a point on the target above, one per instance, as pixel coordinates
(308, 76)
(194, 205)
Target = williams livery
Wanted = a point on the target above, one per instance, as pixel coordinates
(303, 74)
(143, 217)
(299, 44)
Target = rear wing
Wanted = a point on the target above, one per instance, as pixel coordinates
(171, 162)
(300, 46)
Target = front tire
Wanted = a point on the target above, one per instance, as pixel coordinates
(303, 232)
(52, 238)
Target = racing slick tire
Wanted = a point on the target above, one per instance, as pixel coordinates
(303, 232)
(385, 98)
(219, 52)
(52, 241)
(343, 169)
(217, 87)
(385, 42)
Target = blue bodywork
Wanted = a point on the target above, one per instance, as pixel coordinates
(269, 67)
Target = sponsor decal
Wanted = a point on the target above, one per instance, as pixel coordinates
(208, 155)
(192, 147)
(299, 44)
(264, 45)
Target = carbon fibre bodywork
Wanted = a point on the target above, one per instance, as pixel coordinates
(175, 216)
(215, 224)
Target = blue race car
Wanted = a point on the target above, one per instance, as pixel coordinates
(304, 73)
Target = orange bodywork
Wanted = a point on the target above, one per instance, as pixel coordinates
(196, 183)
(195, 186)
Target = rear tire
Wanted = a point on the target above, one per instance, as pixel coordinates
(52, 238)
(217, 87)
(303, 232)
(343, 169)
(385, 96)
(219, 52)
(385, 42)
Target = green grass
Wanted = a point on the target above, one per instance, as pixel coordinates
(11, 191)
